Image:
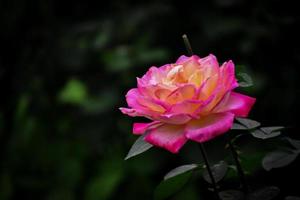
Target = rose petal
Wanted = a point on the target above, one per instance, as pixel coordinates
(170, 137)
(238, 104)
(162, 93)
(209, 100)
(153, 76)
(182, 93)
(131, 97)
(141, 128)
(190, 67)
(174, 118)
(209, 86)
(138, 113)
(153, 105)
(228, 76)
(209, 127)
(184, 58)
(185, 107)
(210, 64)
(131, 112)
(139, 102)
(205, 107)
(196, 78)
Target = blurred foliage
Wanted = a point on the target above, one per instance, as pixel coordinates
(66, 68)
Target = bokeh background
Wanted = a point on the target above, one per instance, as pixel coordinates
(66, 67)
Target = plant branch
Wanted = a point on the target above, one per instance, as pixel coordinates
(187, 45)
(210, 173)
(238, 166)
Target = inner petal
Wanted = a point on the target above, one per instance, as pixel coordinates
(182, 93)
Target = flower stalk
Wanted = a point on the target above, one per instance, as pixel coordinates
(187, 44)
(210, 173)
(238, 166)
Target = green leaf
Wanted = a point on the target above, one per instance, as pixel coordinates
(237, 126)
(180, 170)
(231, 195)
(246, 80)
(292, 198)
(139, 146)
(249, 123)
(218, 170)
(265, 193)
(271, 129)
(277, 159)
(170, 186)
(74, 92)
(259, 133)
(294, 143)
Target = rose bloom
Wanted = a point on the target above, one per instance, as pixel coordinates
(192, 99)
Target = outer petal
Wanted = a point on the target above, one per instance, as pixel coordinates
(236, 103)
(141, 128)
(136, 112)
(131, 98)
(184, 58)
(209, 127)
(170, 137)
(210, 65)
(174, 118)
(139, 102)
(228, 76)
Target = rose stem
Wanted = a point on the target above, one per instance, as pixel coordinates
(211, 176)
(187, 45)
(238, 166)
(202, 149)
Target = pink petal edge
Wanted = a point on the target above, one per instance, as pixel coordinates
(167, 136)
(209, 127)
(174, 118)
(184, 58)
(238, 104)
(141, 128)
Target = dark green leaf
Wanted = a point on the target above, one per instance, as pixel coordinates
(277, 159)
(259, 133)
(170, 186)
(180, 170)
(218, 170)
(271, 129)
(249, 123)
(266, 193)
(231, 195)
(292, 198)
(237, 126)
(295, 143)
(246, 80)
(139, 146)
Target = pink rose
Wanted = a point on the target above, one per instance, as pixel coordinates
(191, 99)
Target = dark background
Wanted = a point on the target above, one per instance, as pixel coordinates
(66, 67)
